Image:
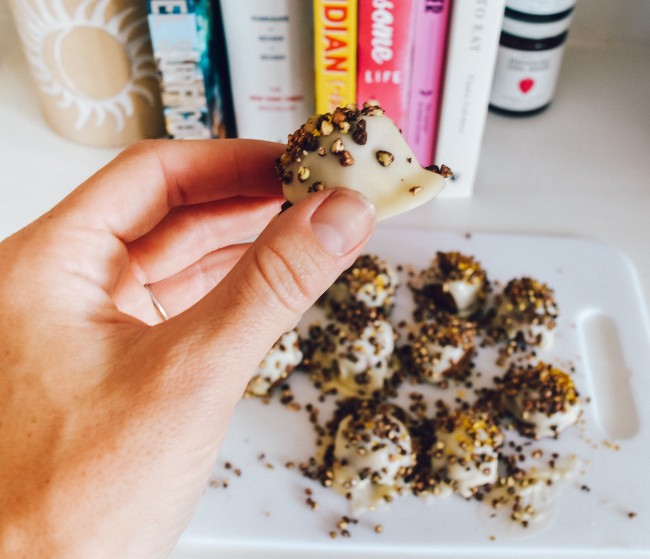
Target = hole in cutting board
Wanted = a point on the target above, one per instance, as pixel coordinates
(610, 376)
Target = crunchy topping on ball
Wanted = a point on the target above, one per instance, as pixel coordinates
(385, 158)
(541, 396)
(472, 430)
(277, 365)
(553, 388)
(454, 283)
(466, 450)
(526, 297)
(526, 310)
(346, 158)
(367, 288)
(326, 127)
(369, 423)
(446, 330)
(303, 174)
(372, 454)
(343, 119)
(442, 170)
(360, 149)
(360, 136)
(355, 359)
(440, 348)
(337, 146)
(455, 265)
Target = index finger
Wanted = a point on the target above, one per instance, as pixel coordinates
(138, 188)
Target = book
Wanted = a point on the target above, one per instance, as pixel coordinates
(335, 53)
(183, 39)
(271, 59)
(430, 27)
(474, 32)
(384, 48)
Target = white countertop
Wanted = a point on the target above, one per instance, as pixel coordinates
(581, 168)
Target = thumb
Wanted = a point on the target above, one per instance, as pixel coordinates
(295, 259)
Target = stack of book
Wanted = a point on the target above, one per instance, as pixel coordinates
(428, 63)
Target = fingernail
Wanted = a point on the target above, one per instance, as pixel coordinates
(342, 221)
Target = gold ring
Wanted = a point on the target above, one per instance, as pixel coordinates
(156, 303)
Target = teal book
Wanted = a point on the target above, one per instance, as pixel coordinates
(187, 40)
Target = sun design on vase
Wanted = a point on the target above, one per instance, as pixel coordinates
(60, 44)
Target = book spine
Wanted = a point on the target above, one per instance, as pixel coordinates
(271, 61)
(335, 53)
(181, 34)
(473, 43)
(384, 55)
(429, 48)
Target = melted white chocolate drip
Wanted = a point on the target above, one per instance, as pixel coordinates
(465, 294)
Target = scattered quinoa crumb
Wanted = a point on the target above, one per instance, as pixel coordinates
(611, 445)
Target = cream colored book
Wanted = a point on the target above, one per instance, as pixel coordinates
(271, 65)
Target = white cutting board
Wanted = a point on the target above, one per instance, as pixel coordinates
(603, 331)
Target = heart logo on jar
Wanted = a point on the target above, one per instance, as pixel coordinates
(526, 85)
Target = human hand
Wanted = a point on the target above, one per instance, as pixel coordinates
(111, 419)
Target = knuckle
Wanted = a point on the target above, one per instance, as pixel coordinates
(137, 150)
(143, 146)
(290, 280)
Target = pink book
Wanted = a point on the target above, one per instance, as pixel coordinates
(430, 45)
(384, 55)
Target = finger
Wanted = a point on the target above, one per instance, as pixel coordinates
(180, 291)
(295, 259)
(135, 191)
(190, 232)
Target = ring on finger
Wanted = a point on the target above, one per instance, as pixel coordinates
(156, 303)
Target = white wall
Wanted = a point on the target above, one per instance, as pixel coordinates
(595, 20)
(611, 21)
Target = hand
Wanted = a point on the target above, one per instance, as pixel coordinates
(110, 418)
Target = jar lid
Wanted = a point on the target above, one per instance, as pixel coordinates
(540, 7)
(536, 29)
